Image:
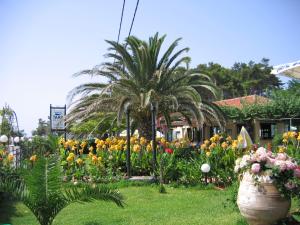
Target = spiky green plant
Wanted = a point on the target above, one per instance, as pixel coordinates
(41, 190)
(141, 75)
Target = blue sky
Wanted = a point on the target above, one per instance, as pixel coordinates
(42, 43)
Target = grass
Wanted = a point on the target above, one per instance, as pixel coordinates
(144, 205)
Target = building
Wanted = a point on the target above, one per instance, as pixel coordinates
(261, 130)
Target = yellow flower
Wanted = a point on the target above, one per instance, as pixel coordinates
(206, 142)
(98, 146)
(224, 145)
(203, 146)
(217, 137)
(143, 141)
(234, 144)
(61, 141)
(94, 159)
(298, 138)
(285, 135)
(163, 141)
(149, 148)
(208, 153)
(79, 161)
(292, 134)
(229, 139)
(10, 157)
(212, 146)
(99, 159)
(33, 158)
(212, 139)
(108, 141)
(177, 144)
(80, 151)
(91, 154)
(91, 148)
(136, 148)
(281, 149)
(74, 148)
(132, 140)
(121, 142)
(285, 141)
(70, 159)
(72, 155)
(83, 144)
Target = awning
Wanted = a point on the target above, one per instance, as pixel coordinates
(289, 69)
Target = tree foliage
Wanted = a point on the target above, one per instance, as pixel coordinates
(242, 79)
(41, 190)
(142, 75)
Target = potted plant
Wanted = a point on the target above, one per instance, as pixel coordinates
(268, 181)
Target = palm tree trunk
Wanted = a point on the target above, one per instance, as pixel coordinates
(144, 129)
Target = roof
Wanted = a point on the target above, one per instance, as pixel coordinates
(241, 101)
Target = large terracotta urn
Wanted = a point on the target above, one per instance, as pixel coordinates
(261, 204)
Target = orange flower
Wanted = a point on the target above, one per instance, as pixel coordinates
(94, 159)
(33, 158)
(10, 157)
(224, 145)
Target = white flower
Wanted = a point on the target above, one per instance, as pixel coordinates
(236, 168)
(261, 151)
(245, 161)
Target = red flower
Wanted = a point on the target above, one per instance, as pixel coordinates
(169, 151)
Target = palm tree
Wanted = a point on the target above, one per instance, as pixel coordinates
(41, 190)
(141, 75)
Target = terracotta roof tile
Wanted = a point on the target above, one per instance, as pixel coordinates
(241, 101)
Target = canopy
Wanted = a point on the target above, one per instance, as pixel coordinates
(289, 69)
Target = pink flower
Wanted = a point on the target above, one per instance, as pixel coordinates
(281, 164)
(255, 168)
(297, 172)
(263, 157)
(261, 151)
(269, 153)
(281, 156)
(270, 161)
(290, 165)
(261, 154)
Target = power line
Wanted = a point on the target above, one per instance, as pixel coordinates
(120, 26)
(136, 7)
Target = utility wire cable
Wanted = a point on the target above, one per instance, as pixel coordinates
(136, 7)
(120, 26)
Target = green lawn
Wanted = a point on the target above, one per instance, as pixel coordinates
(144, 206)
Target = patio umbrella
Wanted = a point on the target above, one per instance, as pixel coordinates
(244, 139)
(289, 69)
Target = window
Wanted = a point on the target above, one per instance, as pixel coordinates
(229, 132)
(267, 130)
(214, 130)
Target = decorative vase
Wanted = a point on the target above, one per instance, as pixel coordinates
(261, 204)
